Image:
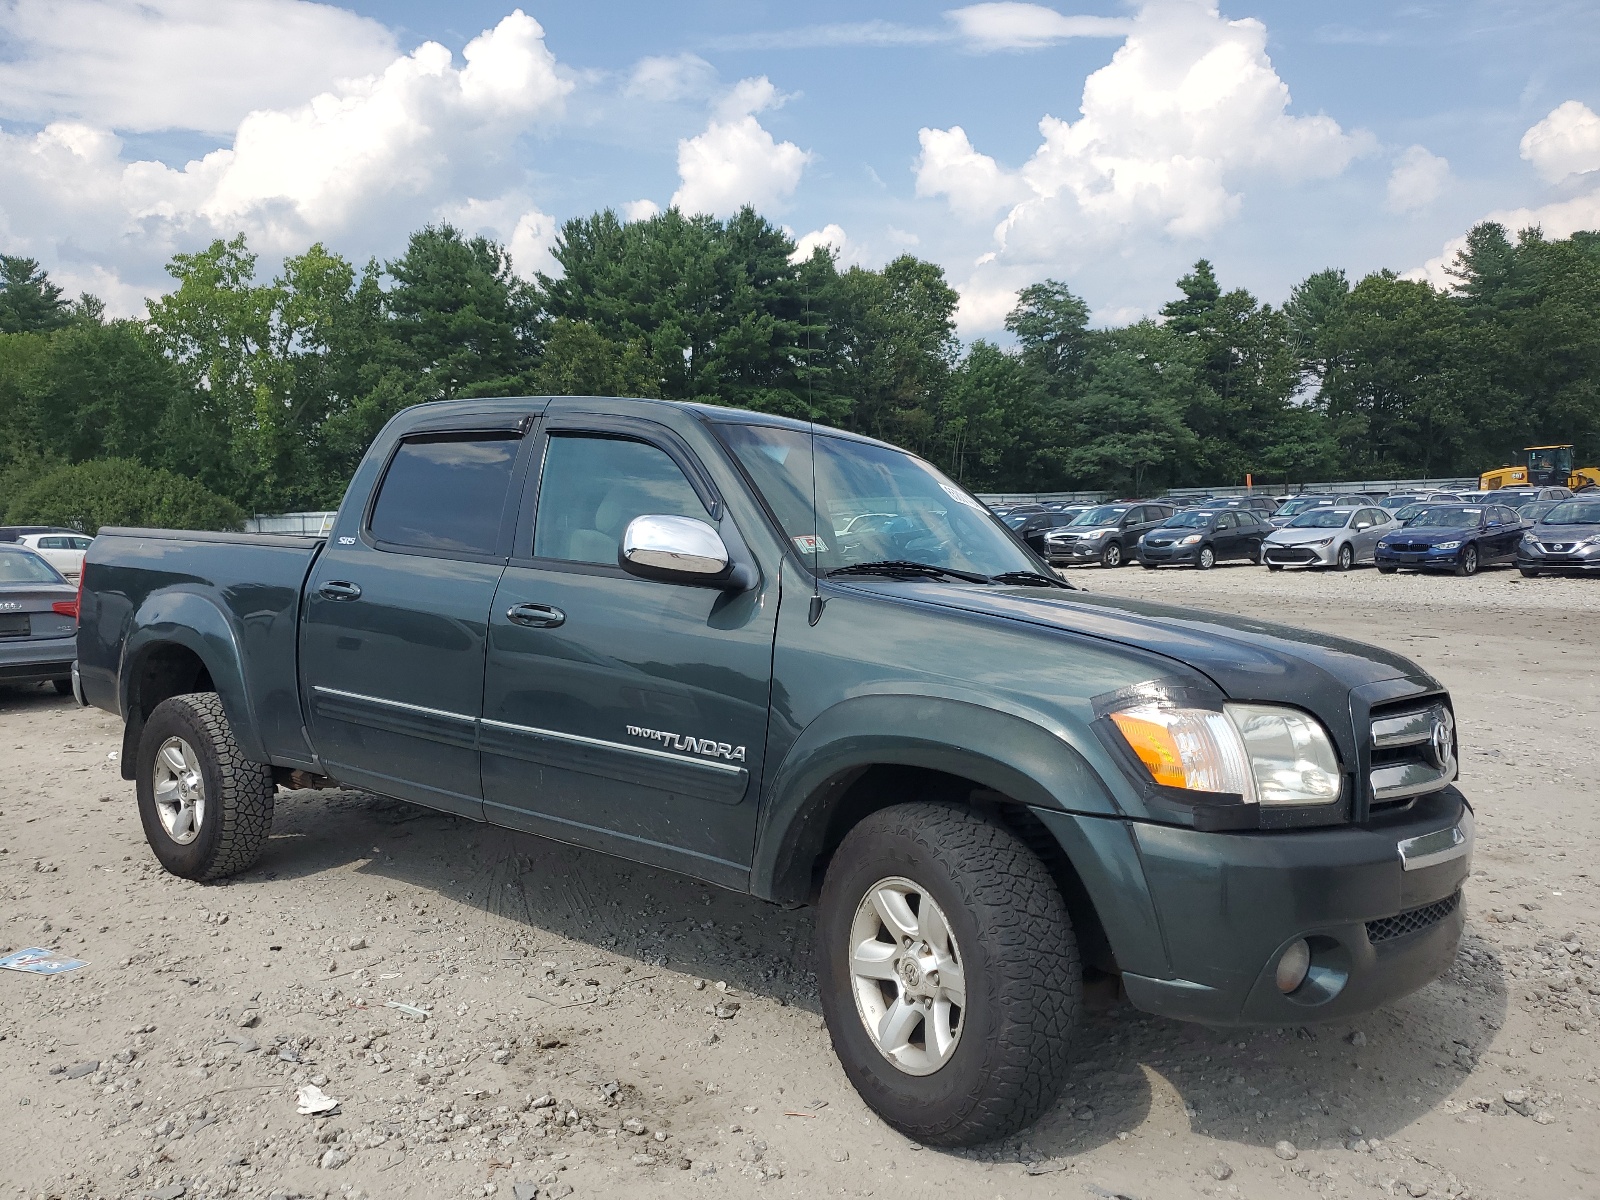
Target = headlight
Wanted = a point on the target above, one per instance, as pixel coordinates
(1527, 539)
(1593, 540)
(1190, 540)
(1266, 753)
(1321, 542)
(1383, 545)
(1097, 533)
(1448, 546)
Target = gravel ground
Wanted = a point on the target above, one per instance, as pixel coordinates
(597, 1028)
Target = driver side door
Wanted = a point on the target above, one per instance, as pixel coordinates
(624, 714)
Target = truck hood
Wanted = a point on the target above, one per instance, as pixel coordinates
(1247, 659)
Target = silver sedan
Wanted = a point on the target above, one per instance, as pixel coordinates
(1337, 537)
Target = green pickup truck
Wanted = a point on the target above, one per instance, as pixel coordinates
(804, 664)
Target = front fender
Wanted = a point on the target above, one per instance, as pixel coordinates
(999, 750)
(180, 617)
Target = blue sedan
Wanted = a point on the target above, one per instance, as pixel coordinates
(1452, 537)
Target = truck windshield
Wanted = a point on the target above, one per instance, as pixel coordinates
(933, 521)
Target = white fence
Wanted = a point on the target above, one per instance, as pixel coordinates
(305, 524)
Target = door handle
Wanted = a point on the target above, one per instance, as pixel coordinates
(536, 616)
(338, 589)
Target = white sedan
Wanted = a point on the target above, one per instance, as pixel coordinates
(63, 551)
(1337, 537)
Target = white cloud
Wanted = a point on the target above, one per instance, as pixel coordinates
(735, 161)
(973, 183)
(834, 238)
(1012, 26)
(368, 160)
(1567, 142)
(983, 306)
(142, 65)
(1188, 109)
(666, 78)
(1558, 220)
(1418, 179)
(640, 210)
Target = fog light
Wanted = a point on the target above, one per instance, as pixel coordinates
(1292, 967)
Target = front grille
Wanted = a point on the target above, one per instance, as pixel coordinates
(1413, 749)
(1558, 547)
(1410, 922)
(1290, 553)
(1409, 547)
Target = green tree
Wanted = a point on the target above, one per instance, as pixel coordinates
(999, 425)
(1126, 425)
(116, 491)
(29, 302)
(1052, 327)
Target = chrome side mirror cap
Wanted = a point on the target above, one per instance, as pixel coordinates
(675, 550)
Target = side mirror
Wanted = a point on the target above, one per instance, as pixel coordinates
(675, 550)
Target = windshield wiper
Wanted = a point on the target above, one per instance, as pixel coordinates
(1031, 579)
(897, 568)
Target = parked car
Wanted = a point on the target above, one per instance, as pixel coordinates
(1532, 511)
(1105, 534)
(1033, 528)
(1395, 501)
(1327, 537)
(1203, 537)
(1262, 506)
(1565, 540)
(1453, 537)
(63, 551)
(38, 620)
(987, 782)
(15, 533)
(1517, 497)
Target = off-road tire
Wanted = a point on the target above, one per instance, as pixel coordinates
(1020, 961)
(1346, 558)
(239, 793)
(1205, 559)
(1467, 562)
(1111, 556)
(63, 686)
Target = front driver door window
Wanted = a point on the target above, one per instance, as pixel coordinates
(622, 713)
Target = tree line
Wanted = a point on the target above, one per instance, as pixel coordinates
(236, 394)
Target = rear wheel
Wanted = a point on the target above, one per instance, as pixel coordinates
(63, 686)
(206, 809)
(1206, 559)
(948, 972)
(1467, 564)
(1346, 557)
(1111, 556)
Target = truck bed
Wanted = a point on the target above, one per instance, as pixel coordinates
(143, 586)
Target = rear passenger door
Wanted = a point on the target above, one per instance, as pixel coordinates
(396, 615)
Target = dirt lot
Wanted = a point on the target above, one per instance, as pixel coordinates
(600, 1029)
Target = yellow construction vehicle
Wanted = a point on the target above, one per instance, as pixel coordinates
(1546, 466)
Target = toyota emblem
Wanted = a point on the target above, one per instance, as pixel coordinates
(1442, 743)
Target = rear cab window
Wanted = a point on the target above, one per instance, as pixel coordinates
(446, 492)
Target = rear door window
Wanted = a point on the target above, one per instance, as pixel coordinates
(446, 492)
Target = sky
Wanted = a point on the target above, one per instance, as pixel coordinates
(1105, 144)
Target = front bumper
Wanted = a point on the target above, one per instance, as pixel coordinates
(1074, 554)
(1224, 907)
(1578, 558)
(37, 660)
(1278, 554)
(1161, 555)
(1418, 560)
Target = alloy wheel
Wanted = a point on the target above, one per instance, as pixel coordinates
(180, 791)
(907, 976)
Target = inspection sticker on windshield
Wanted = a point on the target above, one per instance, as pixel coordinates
(810, 543)
(960, 497)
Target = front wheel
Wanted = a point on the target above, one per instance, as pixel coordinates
(1346, 557)
(1206, 559)
(1111, 556)
(948, 972)
(206, 809)
(1467, 564)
